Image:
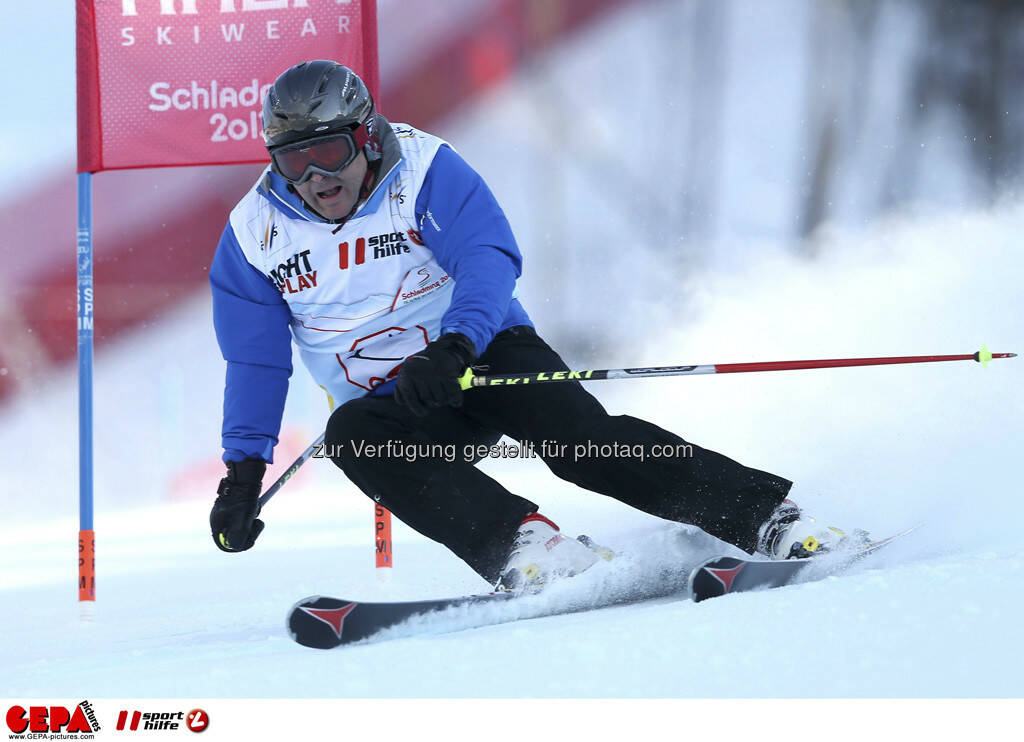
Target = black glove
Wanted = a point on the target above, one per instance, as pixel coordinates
(233, 519)
(430, 378)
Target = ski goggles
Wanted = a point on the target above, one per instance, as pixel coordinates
(327, 155)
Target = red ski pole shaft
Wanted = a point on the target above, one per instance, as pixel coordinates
(739, 368)
(470, 380)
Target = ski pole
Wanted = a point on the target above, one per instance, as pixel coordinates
(469, 379)
(303, 458)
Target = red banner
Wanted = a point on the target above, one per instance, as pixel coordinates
(181, 82)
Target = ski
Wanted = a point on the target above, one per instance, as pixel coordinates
(323, 622)
(723, 575)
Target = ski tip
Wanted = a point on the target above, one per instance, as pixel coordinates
(713, 578)
(875, 545)
(318, 621)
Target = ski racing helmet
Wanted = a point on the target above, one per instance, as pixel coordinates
(317, 117)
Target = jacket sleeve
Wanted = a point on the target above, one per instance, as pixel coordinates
(463, 225)
(251, 321)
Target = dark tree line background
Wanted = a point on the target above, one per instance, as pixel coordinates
(968, 65)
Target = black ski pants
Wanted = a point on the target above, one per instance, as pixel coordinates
(423, 469)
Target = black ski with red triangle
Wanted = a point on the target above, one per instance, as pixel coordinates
(324, 623)
(725, 575)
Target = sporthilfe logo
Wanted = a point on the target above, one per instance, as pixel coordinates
(195, 720)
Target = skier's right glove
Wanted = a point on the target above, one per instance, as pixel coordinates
(233, 520)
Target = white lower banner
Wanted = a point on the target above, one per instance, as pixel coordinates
(509, 719)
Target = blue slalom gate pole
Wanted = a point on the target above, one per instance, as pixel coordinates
(86, 534)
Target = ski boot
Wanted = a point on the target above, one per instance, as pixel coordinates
(541, 554)
(790, 534)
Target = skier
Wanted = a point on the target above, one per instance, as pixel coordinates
(395, 269)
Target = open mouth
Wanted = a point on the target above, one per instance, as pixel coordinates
(329, 193)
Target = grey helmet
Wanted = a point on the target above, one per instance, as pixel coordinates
(314, 99)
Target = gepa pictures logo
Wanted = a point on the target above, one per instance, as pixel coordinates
(191, 7)
(38, 720)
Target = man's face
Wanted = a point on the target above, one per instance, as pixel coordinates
(333, 197)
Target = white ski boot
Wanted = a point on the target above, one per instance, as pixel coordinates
(790, 534)
(540, 554)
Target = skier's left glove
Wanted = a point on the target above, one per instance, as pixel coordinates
(430, 378)
(233, 520)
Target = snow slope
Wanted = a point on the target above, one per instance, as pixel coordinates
(177, 619)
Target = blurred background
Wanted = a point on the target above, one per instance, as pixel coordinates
(691, 181)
